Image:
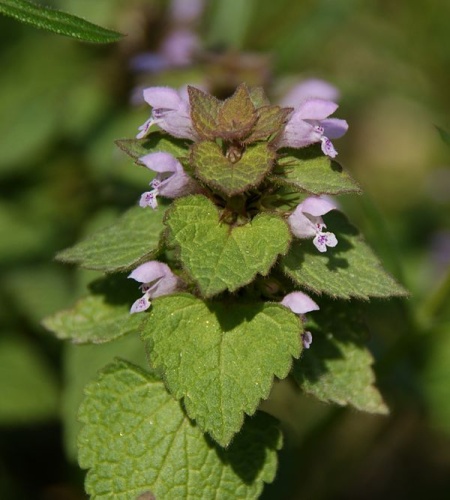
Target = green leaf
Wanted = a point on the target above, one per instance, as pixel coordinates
(134, 239)
(231, 178)
(156, 141)
(218, 256)
(220, 357)
(204, 113)
(136, 439)
(81, 366)
(338, 367)
(308, 169)
(28, 387)
(348, 270)
(101, 317)
(444, 134)
(57, 21)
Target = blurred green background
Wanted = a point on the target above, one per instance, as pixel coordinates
(62, 104)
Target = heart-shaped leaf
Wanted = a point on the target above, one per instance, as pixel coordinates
(231, 178)
(219, 256)
(220, 358)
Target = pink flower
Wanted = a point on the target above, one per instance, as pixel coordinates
(306, 222)
(157, 279)
(309, 123)
(186, 11)
(308, 89)
(171, 112)
(179, 47)
(300, 303)
(170, 181)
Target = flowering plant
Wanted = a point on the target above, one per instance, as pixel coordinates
(227, 246)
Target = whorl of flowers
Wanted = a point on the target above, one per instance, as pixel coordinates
(234, 151)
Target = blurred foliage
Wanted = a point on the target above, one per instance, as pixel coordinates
(64, 103)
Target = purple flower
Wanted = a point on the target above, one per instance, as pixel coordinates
(157, 279)
(171, 112)
(170, 181)
(184, 12)
(307, 89)
(148, 62)
(176, 50)
(179, 46)
(300, 303)
(309, 123)
(306, 222)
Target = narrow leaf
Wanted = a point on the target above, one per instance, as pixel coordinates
(350, 269)
(218, 256)
(57, 21)
(444, 134)
(138, 443)
(338, 367)
(134, 239)
(220, 358)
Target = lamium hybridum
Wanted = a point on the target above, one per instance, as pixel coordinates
(235, 266)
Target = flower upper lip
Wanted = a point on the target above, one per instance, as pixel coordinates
(309, 123)
(171, 180)
(171, 112)
(157, 279)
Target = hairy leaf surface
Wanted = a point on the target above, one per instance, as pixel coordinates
(155, 142)
(309, 170)
(338, 367)
(136, 439)
(101, 317)
(221, 257)
(231, 178)
(348, 270)
(220, 358)
(134, 239)
(57, 22)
